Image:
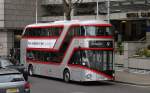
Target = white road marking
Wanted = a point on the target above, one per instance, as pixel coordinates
(78, 92)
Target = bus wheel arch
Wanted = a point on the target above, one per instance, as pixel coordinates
(30, 70)
(66, 75)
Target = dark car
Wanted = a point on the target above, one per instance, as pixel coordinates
(12, 81)
(5, 63)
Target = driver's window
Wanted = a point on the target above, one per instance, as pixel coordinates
(75, 58)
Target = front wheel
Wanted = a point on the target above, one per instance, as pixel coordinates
(66, 76)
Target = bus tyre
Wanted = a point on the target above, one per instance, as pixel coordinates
(30, 70)
(66, 76)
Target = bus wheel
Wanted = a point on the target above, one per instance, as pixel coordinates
(66, 76)
(30, 70)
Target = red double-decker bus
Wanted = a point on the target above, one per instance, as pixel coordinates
(71, 50)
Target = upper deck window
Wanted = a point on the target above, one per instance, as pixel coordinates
(90, 30)
(46, 31)
(96, 31)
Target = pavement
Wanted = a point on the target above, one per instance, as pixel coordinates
(124, 76)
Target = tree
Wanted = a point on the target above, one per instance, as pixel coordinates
(68, 6)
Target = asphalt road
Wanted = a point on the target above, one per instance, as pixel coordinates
(49, 85)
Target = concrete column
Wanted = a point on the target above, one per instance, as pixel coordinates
(6, 42)
(3, 43)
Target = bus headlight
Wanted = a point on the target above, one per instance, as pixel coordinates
(83, 63)
(88, 76)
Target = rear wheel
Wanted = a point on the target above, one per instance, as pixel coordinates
(30, 70)
(66, 76)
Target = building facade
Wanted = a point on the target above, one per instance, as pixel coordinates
(130, 18)
(14, 15)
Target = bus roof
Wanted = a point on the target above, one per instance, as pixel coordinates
(72, 22)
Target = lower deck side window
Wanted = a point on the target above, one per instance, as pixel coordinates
(44, 56)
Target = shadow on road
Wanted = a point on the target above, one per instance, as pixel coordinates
(90, 83)
(94, 83)
(48, 78)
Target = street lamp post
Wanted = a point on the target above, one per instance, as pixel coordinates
(36, 11)
(108, 11)
(97, 10)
